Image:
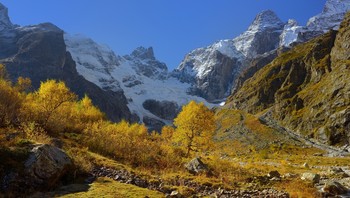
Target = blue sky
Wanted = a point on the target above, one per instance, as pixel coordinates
(172, 27)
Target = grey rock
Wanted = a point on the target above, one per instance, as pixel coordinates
(46, 165)
(153, 123)
(167, 110)
(196, 166)
(306, 165)
(312, 177)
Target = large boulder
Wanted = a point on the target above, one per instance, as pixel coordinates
(196, 166)
(46, 165)
(312, 177)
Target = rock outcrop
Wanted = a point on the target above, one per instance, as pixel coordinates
(41, 167)
(167, 110)
(196, 166)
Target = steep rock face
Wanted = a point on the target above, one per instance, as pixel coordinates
(5, 22)
(163, 109)
(307, 88)
(213, 69)
(262, 35)
(254, 65)
(210, 71)
(39, 53)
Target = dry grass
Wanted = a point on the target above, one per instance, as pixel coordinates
(298, 188)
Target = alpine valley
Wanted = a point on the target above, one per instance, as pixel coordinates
(138, 87)
(277, 91)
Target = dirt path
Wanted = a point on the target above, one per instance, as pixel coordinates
(332, 151)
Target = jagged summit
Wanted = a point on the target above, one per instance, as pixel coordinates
(5, 22)
(265, 19)
(262, 35)
(336, 6)
(143, 53)
(333, 12)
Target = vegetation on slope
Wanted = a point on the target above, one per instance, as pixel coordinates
(306, 88)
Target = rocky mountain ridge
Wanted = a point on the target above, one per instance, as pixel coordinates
(266, 34)
(306, 89)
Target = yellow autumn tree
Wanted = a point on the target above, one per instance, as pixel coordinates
(82, 113)
(10, 99)
(46, 105)
(10, 103)
(195, 126)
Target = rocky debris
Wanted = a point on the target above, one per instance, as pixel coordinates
(196, 166)
(290, 175)
(337, 172)
(312, 177)
(334, 188)
(201, 190)
(167, 110)
(46, 165)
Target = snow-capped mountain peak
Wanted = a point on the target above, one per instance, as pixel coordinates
(266, 19)
(333, 12)
(5, 22)
(143, 53)
(336, 6)
(262, 35)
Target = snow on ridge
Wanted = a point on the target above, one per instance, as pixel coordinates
(290, 33)
(93, 61)
(99, 64)
(265, 19)
(331, 16)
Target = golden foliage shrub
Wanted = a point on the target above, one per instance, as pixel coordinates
(10, 103)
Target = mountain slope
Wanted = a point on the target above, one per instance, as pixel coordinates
(153, 96)
(306, 89)
(212, 70)
(39, 53)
